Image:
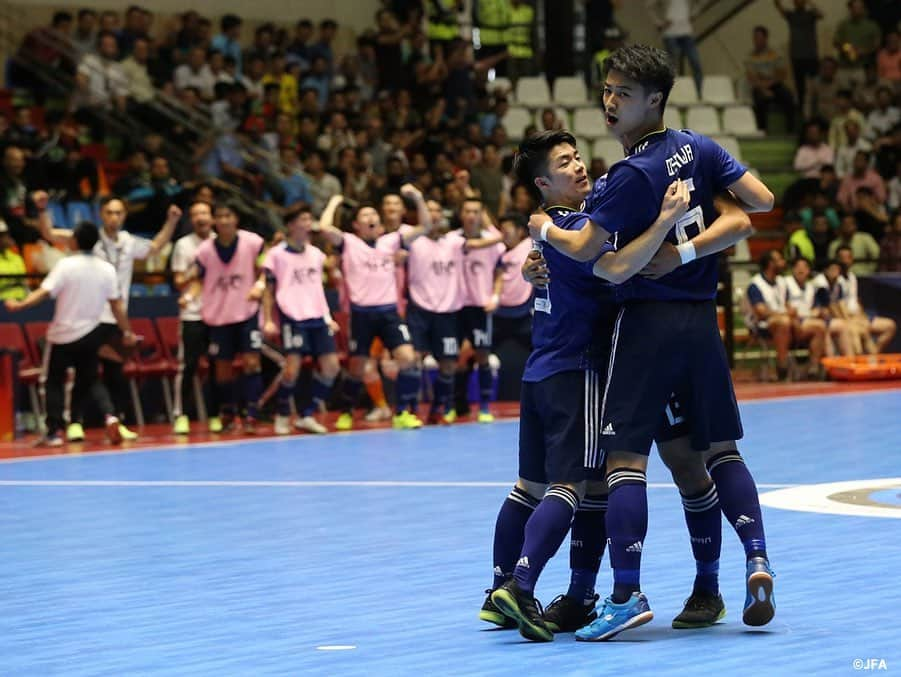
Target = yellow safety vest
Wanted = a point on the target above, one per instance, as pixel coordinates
(494, 20)
(443, 24)
(519, 35)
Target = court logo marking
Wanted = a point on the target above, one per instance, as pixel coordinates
(859, 498)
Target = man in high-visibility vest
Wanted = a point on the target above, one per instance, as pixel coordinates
(443, 26)
(519, 40)
(493, 20)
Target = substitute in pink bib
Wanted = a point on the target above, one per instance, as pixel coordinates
(227, 283)
(299, 293)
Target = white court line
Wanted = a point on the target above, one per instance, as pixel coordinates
(292, 483)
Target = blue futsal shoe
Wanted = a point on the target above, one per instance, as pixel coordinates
(614, 618)
(760, 605)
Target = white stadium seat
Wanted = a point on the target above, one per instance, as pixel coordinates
(533, 92)
(584, 147)
(502, 85)
(717, 90)
(683, 92)
(589, 122)
(730, 143)
(739, 121)
(703, 119)
(610, 149)
(570, 91)
(672, 117)
(516, 120)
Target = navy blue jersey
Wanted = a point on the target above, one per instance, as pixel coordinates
(568, 331)
(630, 203)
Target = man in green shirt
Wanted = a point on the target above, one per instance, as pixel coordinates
(856, 39)
(864, 248)
(10, 264)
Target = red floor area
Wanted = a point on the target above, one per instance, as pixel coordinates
(158, 435)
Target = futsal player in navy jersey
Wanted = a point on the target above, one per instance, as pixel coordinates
(558, 438)
(666, 352)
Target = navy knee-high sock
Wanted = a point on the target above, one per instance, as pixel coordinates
(283, 398)
(704, 521)
(253, 390)
(226, 390)
(544, 533)
(509, 532)
(588, 538)
(444, 390)
(627, 526)
(738, 499)
(352, 389)
(486, 380)
(319, 394)
(408, 381)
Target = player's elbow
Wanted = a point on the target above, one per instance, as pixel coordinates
(767, 200)
(607, 268)
(743, 226)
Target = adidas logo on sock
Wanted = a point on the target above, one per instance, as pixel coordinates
(498, 572)
(635, 547)
(523, 562)
(743, 521)
(608, 430)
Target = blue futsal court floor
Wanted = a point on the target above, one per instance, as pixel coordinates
(368, 553)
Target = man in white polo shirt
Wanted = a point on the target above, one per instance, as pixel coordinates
(84, 286)
(121, 249)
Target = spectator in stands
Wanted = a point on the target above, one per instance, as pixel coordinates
(293, 184)
(493, 20)
(10, 264)
(894, 190)
(802, 43)
(488, 179)
(672, 18)
(109, 22)
(767, 75)
(885, 116)
(820, 236)
(890, 247)
(262, 46)
(15, 210)
(549, 120)
(133, 29)
(21, 133)
(865, 93)
(888, 151)
(799, 244)
(101, 86)
(844, 111)
(136, 179)
(44, 50)
(216, 63)
(253, 79)
(822, 91)
(888, 60)
(195, 74)
(319, 80)
(868, 326)
(140, 86)
(862, 245)
(520, 37)
(772, 317)
(814, 152)
(322, 184)
(323, 46)
(856, 40)
(84, 37)
(861, 175)
(854, 143)
(299, 46)
(389, 44)
(229, 40)
(872, 216)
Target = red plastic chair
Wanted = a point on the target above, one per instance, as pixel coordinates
(151, 360)
(12, 336)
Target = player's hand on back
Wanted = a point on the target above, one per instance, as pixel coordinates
(534, 270)
(675, 203)
(666, 260)
(538, 218)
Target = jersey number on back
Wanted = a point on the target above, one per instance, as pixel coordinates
(690, 225)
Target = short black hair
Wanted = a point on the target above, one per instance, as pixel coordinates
(230, 205)
(517, 219)
(60, 18)
(532, 157)
(294, 212)
(648, 66)
(799, 259)
(86, 235)
(763, 30)
(767, 258)
(229, 21)
(328, 23)
(106, 199)
(304, 23)
(82, 13)
(843, 248)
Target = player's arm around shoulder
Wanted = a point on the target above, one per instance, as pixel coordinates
(752, 194)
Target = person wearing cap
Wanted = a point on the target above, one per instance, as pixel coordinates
(10, 264)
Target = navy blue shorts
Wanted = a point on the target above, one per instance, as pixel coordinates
(558, 428)
(668, 357)
(367, 325)
(434, 333)
(307, 337)
(477, 326)
(228, 340)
